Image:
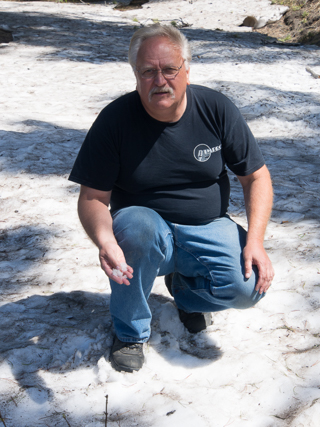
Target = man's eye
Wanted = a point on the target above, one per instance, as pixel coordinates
(169, 71)
(148, 72)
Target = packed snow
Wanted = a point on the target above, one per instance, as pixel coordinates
(253, 368)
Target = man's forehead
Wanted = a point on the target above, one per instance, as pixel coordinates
(158, 47)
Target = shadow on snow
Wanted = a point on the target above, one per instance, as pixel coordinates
(67, 331)
(82, 39)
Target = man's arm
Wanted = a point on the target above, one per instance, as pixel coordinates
(258, 197)
(96, 219)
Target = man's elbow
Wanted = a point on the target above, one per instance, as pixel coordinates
(261, 174)
(91, 194)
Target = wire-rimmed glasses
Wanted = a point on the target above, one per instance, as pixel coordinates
(169, 73)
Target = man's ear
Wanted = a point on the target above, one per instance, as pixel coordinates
(188, 76)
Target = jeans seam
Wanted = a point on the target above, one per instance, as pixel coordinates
(163, 249)
(165, 246)
(199, 261)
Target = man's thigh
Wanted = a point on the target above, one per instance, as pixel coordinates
(210, 267)
(145, 239)
(216, 245)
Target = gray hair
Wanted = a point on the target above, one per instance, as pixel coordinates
(157, 30)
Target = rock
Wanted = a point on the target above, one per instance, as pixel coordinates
(262, 21)
(253, 22)
(249, 21)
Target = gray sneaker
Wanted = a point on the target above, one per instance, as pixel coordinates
(126, 356)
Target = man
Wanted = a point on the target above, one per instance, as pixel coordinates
(157, 156)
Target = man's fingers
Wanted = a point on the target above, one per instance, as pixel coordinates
(266, 275)
(247, 267)
(105, 267)
(122, 273)
(117, 274)
(248, 270)
(254, 254)
(263, 288)
(113, 263)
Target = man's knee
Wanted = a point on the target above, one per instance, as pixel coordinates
(136, 228)
(245, 300)
(246, 295)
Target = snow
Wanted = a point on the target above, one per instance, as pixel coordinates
(253, 368)
(118, 272)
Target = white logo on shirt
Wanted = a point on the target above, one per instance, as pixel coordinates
(203, 152)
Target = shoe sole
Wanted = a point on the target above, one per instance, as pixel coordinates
(121, 368)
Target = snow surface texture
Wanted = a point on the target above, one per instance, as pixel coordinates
(254, 368)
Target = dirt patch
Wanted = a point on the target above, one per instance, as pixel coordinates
(300, 24)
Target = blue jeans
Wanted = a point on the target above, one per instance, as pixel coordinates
(206, 261)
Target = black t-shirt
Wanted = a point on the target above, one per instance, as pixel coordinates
(177, 169)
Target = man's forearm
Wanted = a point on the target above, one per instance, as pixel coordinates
(96, 220)
(258, 196)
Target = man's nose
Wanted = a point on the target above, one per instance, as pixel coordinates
(159, 80)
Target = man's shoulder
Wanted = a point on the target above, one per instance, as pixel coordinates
(202, 89)
(208, 94)
(213, 101)
(119, 104)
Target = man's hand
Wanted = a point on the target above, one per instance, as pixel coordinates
(112, 258)
(255, 254)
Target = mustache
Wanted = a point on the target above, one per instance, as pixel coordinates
(161, 90)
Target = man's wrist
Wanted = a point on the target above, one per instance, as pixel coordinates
(255, 240)
(103, 243)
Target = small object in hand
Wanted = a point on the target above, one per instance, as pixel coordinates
(118, 272)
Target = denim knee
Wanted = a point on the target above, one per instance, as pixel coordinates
(246, 295)
(137, 228)
(247, 301)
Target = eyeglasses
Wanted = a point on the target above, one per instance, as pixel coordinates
(169, 73)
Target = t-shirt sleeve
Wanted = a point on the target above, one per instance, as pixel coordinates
(240, 149)
(97, 164)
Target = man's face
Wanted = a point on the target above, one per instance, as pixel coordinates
(165, 100)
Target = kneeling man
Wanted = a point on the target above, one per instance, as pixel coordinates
(158, 157)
